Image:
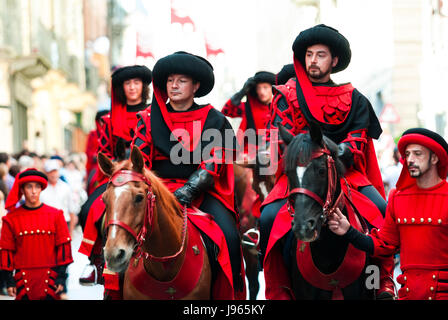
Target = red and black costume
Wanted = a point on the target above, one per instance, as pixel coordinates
(115, 127)
(343, 113)
(416, 224)
(255, 114)
(203, 177)
(35, 242)
(91, 152)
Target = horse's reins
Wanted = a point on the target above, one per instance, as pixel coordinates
(122, 177)
(327, 206)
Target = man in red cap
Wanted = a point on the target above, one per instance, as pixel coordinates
(416, 219)
(35, 241)
(173, 135)
(130, 92)
(344, 115)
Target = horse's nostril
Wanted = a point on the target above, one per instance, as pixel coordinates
(121, 254)
(311, 223)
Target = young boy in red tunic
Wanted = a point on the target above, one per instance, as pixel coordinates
(35, 242)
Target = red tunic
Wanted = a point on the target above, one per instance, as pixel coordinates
(417, 224)
(33, 241)
(223, 188)
(254, 114)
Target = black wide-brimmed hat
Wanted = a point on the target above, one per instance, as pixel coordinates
(322, 34)
(129, 72)
(264, 76)
(285, 74)
(182, 62)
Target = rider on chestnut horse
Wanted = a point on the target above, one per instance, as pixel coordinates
(174, 139)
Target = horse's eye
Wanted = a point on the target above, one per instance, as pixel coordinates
(139, 198)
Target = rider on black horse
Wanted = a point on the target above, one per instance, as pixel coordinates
(344, 114)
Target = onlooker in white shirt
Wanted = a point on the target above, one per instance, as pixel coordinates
(58, 194)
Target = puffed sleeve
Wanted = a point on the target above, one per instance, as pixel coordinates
(7, 246)
(62, 241)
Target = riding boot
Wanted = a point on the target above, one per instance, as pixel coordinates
(387, 289)
(198, 182)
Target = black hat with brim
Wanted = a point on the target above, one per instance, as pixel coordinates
(131, 72)
(322, 34)
(185, 63)
(264, 77)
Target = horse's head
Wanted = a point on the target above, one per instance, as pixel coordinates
(128, 200)
(313, 170)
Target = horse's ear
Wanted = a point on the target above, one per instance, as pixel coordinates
(137, 159)
(284, 134)
(316, 133)
(105, 164)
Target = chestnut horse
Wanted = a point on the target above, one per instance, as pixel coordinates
(145, 224)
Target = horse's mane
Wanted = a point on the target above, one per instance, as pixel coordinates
(169, 203)
(300, 151)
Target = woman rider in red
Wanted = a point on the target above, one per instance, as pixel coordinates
(130, 92)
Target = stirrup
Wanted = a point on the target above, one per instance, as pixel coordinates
(88, 282)
(253, 242)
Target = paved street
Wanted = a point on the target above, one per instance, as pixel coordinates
(77, 292)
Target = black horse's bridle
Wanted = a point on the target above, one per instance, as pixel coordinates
(328, 206)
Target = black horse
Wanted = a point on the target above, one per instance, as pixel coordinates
(314, 175)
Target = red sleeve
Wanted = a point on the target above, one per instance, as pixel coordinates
(143, 140)
(386, 240)
(62, 240)
(232, 111)
(7, 246)
(105, 143)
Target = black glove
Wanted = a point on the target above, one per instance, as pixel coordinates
(249, 84)
(198, 182)
(345, 155)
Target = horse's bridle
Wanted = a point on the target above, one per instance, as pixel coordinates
(327, 207)
(122, 177)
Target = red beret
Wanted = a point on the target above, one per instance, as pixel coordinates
(28, 175)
